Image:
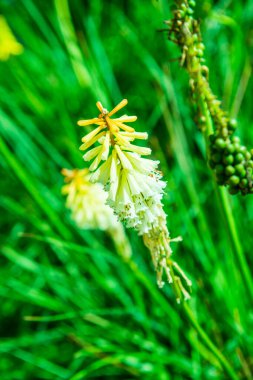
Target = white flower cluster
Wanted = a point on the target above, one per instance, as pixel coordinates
(134, 185)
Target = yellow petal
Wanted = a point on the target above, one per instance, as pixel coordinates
(122, 104)
(83, 123)
(92, 153)
(93, 133)
(137, 149)
(96, 162)
(126, 119)
(99, 106)
(123, 159)
(106, 146)
(135, 135)
(92, 141)
(123, 126)
(113, 127)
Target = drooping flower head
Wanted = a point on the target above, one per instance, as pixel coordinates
(87, 202)
(134, 185)
(8, 43)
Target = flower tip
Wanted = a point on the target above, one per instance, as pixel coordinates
(99, 106)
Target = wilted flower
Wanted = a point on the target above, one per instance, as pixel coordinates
(87, 202)
(8, 43)
(134, 186)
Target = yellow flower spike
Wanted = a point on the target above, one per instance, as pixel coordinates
(114, 126)
(134, 187)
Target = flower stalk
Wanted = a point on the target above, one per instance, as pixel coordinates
(231, 161)
(135, 187)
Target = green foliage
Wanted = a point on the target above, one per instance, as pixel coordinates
(70, 307)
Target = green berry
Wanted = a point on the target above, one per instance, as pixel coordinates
(227, 160)
(232, 124)
(236, 139)
(229, 170)
(220, 143)
(237, 147)
(239, 168)
(189, 11)
(239, 157)
(224, 132)
(234, 180)
(230, 148)
(247, 155)
(243, 150)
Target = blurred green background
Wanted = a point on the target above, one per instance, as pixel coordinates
(70, 307)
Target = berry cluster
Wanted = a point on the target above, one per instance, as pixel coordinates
(230, 160)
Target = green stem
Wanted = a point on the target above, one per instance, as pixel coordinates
(121, 242)
(229, 218)
(225, 364)
(189, 314)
